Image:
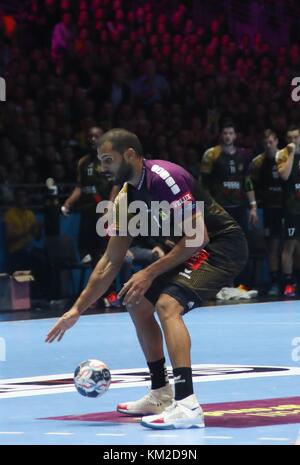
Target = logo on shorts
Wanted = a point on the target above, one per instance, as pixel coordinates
(186, 273)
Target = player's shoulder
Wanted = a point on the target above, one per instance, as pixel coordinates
(162, 170)
(258, 160)
(83, 160)
(164, 176)
(212, 153)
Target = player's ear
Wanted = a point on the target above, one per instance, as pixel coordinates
(130, 154)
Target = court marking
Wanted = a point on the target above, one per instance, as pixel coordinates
(59, 433)
(135, 377)
(111, 434)
(12, 432)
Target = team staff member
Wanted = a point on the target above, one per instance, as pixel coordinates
(268, 189)
(92, 186)
(172, 285)
(224, 170)
(288, 164)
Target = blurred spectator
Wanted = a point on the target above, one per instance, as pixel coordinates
(62, 37)
(120, 92)
(22, 228)
(150, 87)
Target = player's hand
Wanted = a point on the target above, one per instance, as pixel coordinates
(253, 218)
(65, 210)
(291, 148)
(133, 291)
(158, 251)
(62, 325)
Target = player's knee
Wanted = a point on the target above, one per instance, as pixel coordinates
(167, 307)
(141, 311)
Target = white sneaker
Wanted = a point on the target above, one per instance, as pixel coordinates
(185, 413)
(152, 403)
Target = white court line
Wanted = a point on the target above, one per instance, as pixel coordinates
(273, 439)
(11, 432)
(54, 433)
(217, 437)
(111, 434)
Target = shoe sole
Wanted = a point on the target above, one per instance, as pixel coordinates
(173, 425)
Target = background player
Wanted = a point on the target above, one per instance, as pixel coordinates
(92, 186)
(224, 170)
(288, 163)
(268, 189)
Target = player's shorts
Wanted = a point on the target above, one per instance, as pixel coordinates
(201, 277)
(291, 226)
(273, 222)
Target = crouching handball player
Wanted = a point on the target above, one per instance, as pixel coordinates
(171, 286)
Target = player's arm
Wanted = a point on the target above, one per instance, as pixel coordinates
(253, 218)
(284, 161)
(140, 282)
(103, 275)
(77, 192)
(206, 167)
(181, 252)
(73, 198)
(105, 272)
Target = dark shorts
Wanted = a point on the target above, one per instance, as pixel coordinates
(291, 226)
(273, 222)
(202, 277)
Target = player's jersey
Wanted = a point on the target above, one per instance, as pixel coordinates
(267, 182)
(226, 176)
(291, 187)
(165, 181)
(94, 184)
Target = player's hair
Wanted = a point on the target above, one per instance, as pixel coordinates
(270, 133)
(121, 140)
(228, 123)
(293, 127)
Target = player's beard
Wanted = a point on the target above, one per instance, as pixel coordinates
(228, 143)
(124, 173)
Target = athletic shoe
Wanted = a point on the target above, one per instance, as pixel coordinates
(181, 414)
(112, 300)
(274, 291)
(290, 290)
(152, 403)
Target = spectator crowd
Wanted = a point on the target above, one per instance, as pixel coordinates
(148, 67)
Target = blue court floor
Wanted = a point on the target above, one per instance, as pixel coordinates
(246, 366)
